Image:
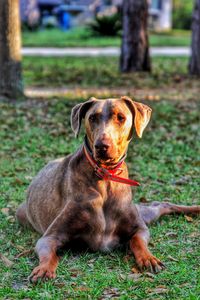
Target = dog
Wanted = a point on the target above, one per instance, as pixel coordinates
(87, 197)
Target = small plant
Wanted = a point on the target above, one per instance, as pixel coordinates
(106, 25)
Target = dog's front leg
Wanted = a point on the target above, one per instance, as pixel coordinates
(71, 222)
(55, 237)
(143, 256)
(46, 248)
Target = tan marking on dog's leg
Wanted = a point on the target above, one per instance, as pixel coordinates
(46, 249)
(144, 258)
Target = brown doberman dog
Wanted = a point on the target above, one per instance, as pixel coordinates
(77, 199)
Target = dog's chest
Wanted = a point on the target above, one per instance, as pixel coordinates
(114, 222)
(119, 226)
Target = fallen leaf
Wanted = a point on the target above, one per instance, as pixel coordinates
(75, 272)
(92, 260)
(151, 275)
(110, 293)
(10, 219)
(135, 270)
(171, 233)
(82, 288)
(134, 276)
(184, 284)
(182, 181)
(24, 253)
(122, 276)
(19, 286)
(6, 261)
(158, 290)
(172, 258)
(59, 284)
(189, 219)
(194, 235)
(126, 258)
(19, 181)
(73, 284)
(151, 244)
(5, 211)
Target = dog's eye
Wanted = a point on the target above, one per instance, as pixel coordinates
(121, 118)
(92, 118)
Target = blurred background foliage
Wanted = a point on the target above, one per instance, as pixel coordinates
(106, 25)
(182, 14)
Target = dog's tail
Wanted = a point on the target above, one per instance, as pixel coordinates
(154, 210)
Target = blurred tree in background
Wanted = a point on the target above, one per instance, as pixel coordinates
(194, 66)
(182, 14)
(10, 47)
(135, 44)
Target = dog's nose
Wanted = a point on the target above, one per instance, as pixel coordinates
(102, 146)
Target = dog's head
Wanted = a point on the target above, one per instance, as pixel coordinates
(109, 125)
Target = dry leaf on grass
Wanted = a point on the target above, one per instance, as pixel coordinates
(81, 288)
(134, 276)
(135, 270)
(126, 258)
(110, 293)
(150, 275)
(171, 233)
(24, 253)
(75, 272)
(18, 247)
(194, 234)
(59, 284)
(122, 276)
(5, 211)
(172, 258)
(159, 290)
(6, 261)
(189, 219)
(18, 181)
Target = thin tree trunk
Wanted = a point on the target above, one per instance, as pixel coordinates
(135, 45)
(194, 65)
(10, 47)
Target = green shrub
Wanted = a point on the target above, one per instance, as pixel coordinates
(106, 25)
(182, 14)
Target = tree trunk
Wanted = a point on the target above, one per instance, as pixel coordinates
(10, 47)
(135, 45)
(194, 66)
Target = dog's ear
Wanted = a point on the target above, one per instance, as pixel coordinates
(78, 113)
(141, 114)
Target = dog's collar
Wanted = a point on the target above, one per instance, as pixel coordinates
(104, 173)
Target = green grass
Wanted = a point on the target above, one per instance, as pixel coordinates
(36, 131)
(81, 37)
(169, 76)
(98, 71)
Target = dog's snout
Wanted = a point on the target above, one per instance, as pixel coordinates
(102, 145)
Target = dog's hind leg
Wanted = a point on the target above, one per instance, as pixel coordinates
(153, 211)
(21, 215)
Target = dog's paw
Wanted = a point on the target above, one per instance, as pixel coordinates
(42, 272)
(149, 262)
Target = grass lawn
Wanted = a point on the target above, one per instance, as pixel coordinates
(168, 77)
(165, 161)
(81, 37)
